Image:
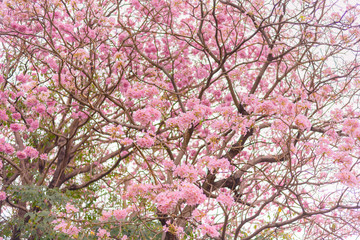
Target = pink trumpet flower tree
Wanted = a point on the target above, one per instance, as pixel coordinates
(179, 119)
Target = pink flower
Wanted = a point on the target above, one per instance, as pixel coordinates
(214, 163)
(209, 230)
(73, 231)
(147, 115)
(105, 216)
(16, 116)
(348, 178)
(166, 201)
(23, 78)
(145, 141)
(102, 233)
(267, 107)
(120, 214)
(43, 156)
(2, 196)
(3, 115)
(71, 208)
(126, 141)
(15, 127)
(60, 224)
(169, 165)
(41, 108)
(21, 154)
(9, 149)
(350, 125)
(337, 114)
(225, 199)
(31, 152)
(34, 125)
(303, 122)
(187, 171)
(31, 101)
(192, 194)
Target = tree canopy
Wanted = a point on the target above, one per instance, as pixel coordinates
(179, 119)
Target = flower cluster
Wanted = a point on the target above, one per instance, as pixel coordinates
(302, 122)
(191, 194)
(214, 164)
(145, 141)
(146, 115)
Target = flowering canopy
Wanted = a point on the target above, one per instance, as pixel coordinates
(185, 119)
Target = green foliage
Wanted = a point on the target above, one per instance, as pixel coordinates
(38, 196)
(141, 230)
(37, 220)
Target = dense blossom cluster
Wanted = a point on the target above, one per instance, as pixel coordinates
(180, 119)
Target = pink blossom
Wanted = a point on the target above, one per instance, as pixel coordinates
(184, 120)
(126, 141)
(166, 201)
(15, 127)
(2, 196)
(42, 89)
(71, 230)
(123, 153)
(285, 106)
(279, 125)
(198, 214)
(3, 115)
(220, 125)
(16, 116)
(21, 154)
(337, 114)
(147, 115)
(187, 171)
(350, 125)
(192, 194)
(31, 101)
(71, 208)
(145, 141)
(135, 93)
(348, 178)
(9, 149)
(60, 224)
(198, 109)
(103, 233)
(105, 216)
(356, 134)
(213, 163)
(267, 107)
(31, 152)
(23, 78)
(206, 229)
(303, 122)
(169, 165)
(120, 214)
(225, 199)
(34, 125)
(41, 108)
